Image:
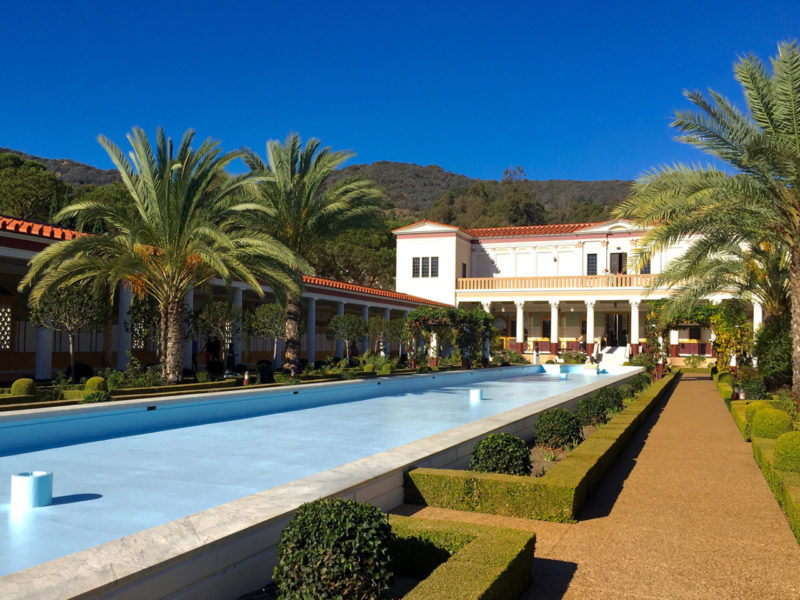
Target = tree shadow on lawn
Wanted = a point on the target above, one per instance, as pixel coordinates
(602, 499)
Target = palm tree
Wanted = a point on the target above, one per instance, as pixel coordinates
(187, 222)
(760, 200)
(308, 208)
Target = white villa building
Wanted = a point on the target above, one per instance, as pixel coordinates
(549, 287)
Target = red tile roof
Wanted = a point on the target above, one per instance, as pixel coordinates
(368, 290)
(44, 230)
(484, 232)
(58, 233)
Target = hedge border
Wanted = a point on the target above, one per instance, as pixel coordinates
(494, 564)
(784, 485)
(559, 494)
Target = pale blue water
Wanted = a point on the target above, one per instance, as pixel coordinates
(109, 488)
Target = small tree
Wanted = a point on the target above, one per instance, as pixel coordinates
(268, 320)
(733, 335)
(221, 319)
(347, 328)
(377, 329)
(70, 309)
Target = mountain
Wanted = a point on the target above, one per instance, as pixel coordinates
(412, 188)
(70, 171)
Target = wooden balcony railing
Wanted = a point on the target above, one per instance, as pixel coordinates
(561, 282)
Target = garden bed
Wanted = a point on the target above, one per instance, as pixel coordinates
(556, 496)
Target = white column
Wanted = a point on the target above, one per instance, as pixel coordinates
(633, 334)
(520, 304)
(365, 316)
(277, 359)
(758, 316)
(123, 336)
(339, 343)
(553, 324)
(590, 324)
(311, 331)
(188, 341)
(487, 307)
(387, 315)
(673, 337)
(237, 339)
(44, 354)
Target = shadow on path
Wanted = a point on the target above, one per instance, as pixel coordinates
(551, 578)
(602, 499)
(71, 498)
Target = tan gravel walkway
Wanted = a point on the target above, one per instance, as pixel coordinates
(685, 513)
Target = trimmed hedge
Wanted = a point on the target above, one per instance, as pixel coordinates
(753, 408)
(770, 423)
(174, 389)
(501, 453)
(24, 387)
(738, 412)
(556, 496)
(787, 452)
(485, 563)
(96, 384)
(785, 485)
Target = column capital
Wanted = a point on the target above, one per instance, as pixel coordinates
(519, 303)
(635, 302)
(553, 303)
(590, 302)
(486, 305)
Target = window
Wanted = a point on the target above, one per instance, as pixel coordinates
(591, 264)
(463, 270)
(646, 268)
(546, 329)
(619, 262)
(694, 332)
(426, 266)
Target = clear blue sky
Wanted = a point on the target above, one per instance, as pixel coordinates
(580, 90)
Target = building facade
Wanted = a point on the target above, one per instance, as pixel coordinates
(549, 287)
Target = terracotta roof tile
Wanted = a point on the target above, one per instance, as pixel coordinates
(484, 232)
(43, 230)
(368, 290)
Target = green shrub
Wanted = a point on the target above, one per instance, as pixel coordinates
(591, 411)
(787, 452)
(753, 408)
(23, 387)
(368, 368)
(334, 548)
(99, 396)
(726, 378)
(573, 358)
(694, 361)
(558, 428)
(550, 362)
(627, 390)
(96, 384)
(203, 377)
(753, 389)
(501, 453)
(770, 423)
(640, 382)
(610, 398)
(773, 348)
(386, 369)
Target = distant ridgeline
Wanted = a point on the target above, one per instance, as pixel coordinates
(37, 188)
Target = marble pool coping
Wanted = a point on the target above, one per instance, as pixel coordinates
(228, 550)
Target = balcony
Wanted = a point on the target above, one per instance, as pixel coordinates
(560, 282)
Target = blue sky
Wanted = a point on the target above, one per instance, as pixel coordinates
(579, 90)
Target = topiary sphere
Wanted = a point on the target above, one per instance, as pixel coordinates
(334, 548)
(23, 387)
(591, 411)
(770, 423)
(96, 384)
(557, 428)
(753, 407)
(640, 382)
(609, 398)
(787, 452)
(501, 453)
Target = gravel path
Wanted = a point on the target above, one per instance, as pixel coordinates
(685, 513)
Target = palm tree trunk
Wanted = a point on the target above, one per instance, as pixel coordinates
(794, 295)
(162, 340)
(71, 337)
(174, 342)
(107, 350)
(292, 359)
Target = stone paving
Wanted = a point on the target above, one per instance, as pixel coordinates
(685, 513)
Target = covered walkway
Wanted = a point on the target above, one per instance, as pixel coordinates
(685, 513)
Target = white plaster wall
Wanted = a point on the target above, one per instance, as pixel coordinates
(441, 288)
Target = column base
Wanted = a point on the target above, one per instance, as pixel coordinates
(554, 348)
(519, 347)
(634, 349)
(673, 350)
(433, 362)
(589, 348)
